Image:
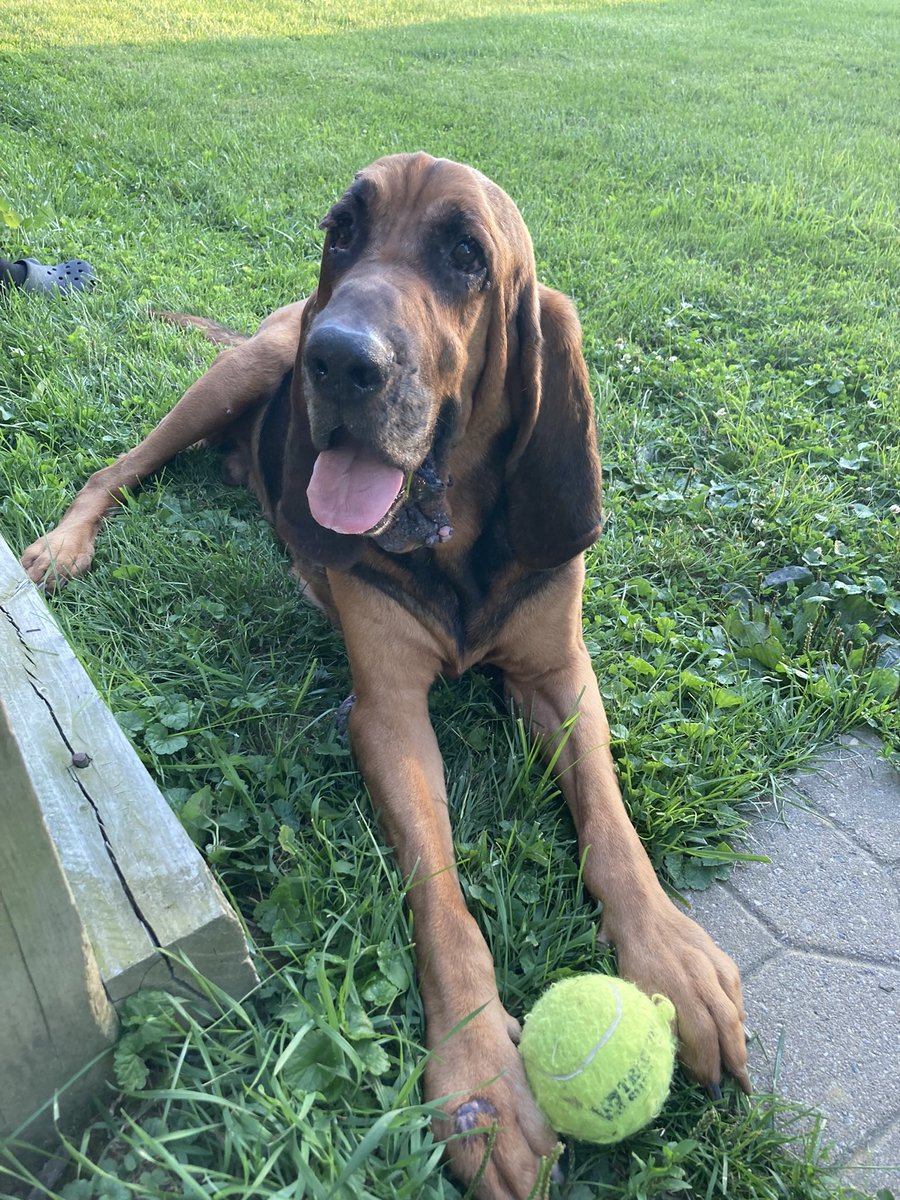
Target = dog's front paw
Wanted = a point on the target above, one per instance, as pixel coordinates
(57, 557)
(669, 953)
(495, 1133)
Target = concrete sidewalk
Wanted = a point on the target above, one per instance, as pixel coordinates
(816, 932)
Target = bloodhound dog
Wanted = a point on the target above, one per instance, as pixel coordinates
(420, 432)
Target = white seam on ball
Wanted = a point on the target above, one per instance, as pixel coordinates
(595, 1050)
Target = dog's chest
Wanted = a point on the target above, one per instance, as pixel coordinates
(467, 606)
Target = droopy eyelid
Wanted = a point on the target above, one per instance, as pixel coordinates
(465, 229)
(336, 217)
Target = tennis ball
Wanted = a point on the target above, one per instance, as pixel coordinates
(599, 1055)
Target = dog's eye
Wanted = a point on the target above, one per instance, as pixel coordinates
(342, 232)
(467, 256)
(340, 228)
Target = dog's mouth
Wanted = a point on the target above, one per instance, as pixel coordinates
(352, 490)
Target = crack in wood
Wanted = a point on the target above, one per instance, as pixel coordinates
(149, 905)
(98, 817)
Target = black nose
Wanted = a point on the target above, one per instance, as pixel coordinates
(346, 363)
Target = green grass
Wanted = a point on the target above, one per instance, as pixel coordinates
(716, 186)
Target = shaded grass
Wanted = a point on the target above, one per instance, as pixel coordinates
(713, 184)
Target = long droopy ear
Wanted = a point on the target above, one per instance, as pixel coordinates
(294, 522)
(554, 499)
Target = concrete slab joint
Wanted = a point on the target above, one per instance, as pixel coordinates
(816, 930)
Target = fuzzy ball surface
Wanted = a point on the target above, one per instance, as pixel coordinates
(599, 1055)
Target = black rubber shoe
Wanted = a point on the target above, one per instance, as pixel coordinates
(72, 276)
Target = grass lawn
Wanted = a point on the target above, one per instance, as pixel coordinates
(715, 184)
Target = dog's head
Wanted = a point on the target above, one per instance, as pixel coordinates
(428, 331)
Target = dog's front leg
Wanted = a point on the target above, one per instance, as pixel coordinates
(235, 382)
(473, 1061)
(549, 675)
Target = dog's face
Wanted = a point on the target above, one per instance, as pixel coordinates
(428, 346)
(417, 254)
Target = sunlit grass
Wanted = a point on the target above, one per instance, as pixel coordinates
(106, 23)
(712, 183)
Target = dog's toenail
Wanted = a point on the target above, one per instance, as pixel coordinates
(714, 1090)
(473, 1115)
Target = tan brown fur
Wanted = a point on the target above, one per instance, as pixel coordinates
(505, 589)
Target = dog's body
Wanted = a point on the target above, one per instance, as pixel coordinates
(420, 432)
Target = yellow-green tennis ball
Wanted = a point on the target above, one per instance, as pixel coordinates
(599, 1056)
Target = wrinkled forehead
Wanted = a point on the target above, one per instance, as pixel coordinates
(416, 189)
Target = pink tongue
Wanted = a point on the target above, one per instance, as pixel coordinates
(350, 490)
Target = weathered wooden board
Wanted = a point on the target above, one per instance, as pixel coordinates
(138, 881)
(55, 1017)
